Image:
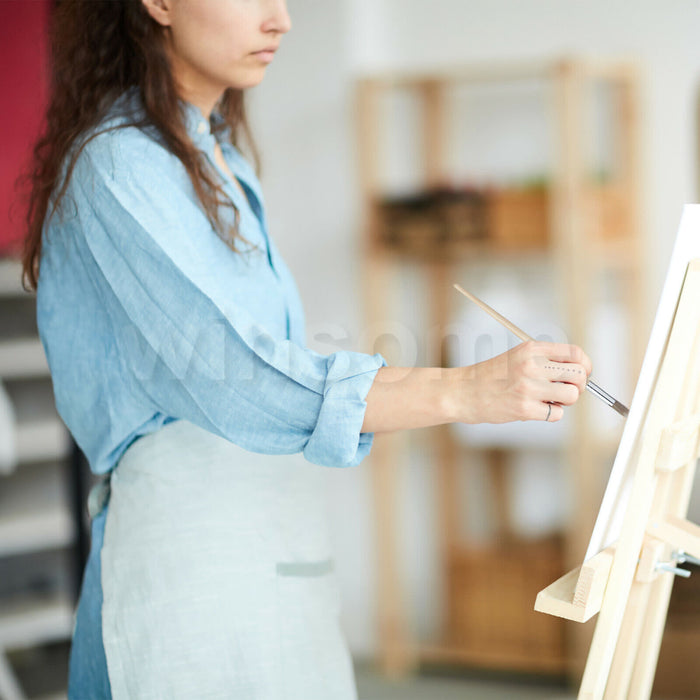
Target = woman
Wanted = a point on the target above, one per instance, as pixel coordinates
(175, 338)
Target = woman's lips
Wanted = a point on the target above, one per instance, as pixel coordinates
(266, 55)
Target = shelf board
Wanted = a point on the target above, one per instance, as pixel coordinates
(43, 439)
(612, 254)
(31, 621)
(11, 278)
(463, 252)
(41, 434)
(22, 358)
(35, 531)
(34, 510)
(503, 71)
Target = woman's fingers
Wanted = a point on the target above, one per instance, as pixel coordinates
(557, 362)
(560, 392)
(543, 411)
(560, 371)
(543, 392)
(551, 412)
(556, 375)
(562, 353)
(569, 372)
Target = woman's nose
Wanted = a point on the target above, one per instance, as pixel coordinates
(278, 19)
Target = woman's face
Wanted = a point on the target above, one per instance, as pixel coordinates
(217, 44)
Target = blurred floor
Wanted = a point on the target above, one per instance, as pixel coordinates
(43, 674)
(443, 685)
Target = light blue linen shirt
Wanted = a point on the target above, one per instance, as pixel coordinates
(147, 316)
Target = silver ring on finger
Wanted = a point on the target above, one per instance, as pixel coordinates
(549, 411)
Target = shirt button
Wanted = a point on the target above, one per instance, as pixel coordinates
(201, 127)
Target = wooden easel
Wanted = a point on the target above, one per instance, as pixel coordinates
(629, 583)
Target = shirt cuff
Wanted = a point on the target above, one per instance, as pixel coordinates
(336, 440)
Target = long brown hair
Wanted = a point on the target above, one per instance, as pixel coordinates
(98, 50)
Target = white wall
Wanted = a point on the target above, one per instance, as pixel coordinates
(302, 116)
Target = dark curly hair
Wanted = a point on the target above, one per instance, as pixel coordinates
(99, 50)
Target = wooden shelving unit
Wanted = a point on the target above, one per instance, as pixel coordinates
(586, 228)
(39, 522)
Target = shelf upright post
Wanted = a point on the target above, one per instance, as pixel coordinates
(395, 655)
(572, 256)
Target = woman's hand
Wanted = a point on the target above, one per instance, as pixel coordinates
(522, 384)
(530, 382)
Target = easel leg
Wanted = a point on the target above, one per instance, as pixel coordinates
(650, 639)
(627, 643)
(679, 485)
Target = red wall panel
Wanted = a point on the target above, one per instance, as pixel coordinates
(24, 80)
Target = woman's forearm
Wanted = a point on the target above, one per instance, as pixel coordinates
(533, 381)
(402, 398)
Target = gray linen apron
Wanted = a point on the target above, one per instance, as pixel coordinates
(217, 575)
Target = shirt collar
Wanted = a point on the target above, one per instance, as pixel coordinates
(197, 125)
(199, 128)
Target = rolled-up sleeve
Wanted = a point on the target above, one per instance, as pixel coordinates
(198, 354)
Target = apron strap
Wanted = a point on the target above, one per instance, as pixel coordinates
(99, 496)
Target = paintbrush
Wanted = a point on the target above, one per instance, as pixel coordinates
(591, 386)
